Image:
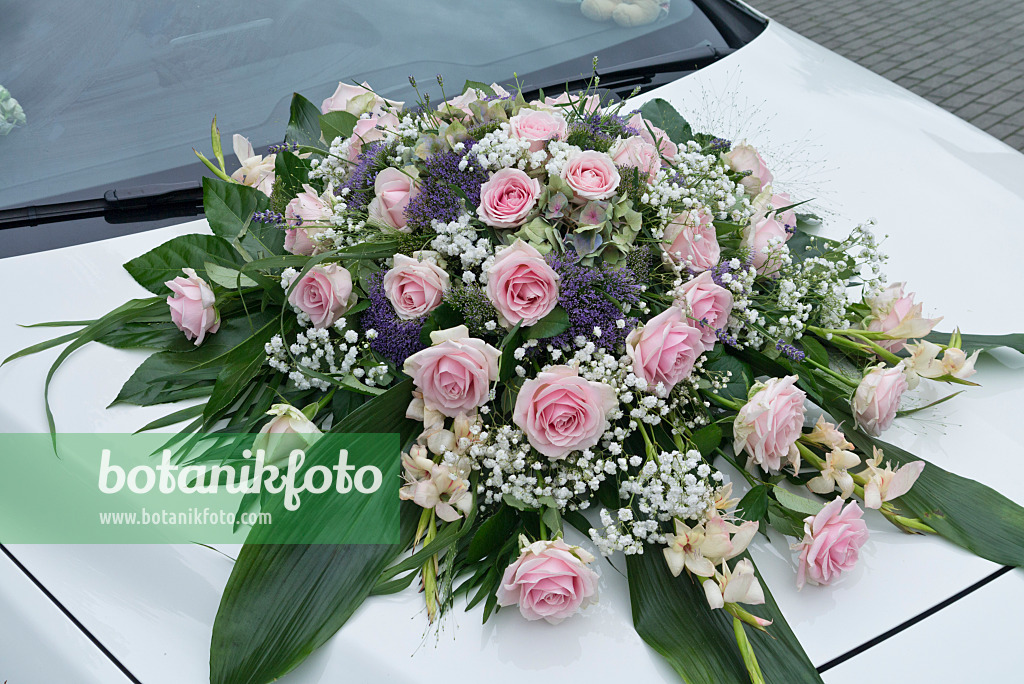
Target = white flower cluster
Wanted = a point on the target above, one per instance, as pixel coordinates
(704, 182)
(499, 150)
(333, 168)
(673, 485)
(459, 238)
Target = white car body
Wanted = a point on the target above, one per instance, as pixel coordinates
(949, 197)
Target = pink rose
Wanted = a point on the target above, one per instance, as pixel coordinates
(324, 294)
(307, 208)
(193, 307)
(664, 350)
(565, 101)
(744, 157)
(877, 399)
(636, 152)
(356, 99)
(369, 130)
(895, 313)
(392, 189)
(414, 288)
(537, 127)
(521, 285)
(591, 175)
(549, 580)
(455, 374)
(668, 149)
(708, 301)
(769, 424)
(560, 412)
(765, 238)
(691, 239)
(507, 198)
(831, 543)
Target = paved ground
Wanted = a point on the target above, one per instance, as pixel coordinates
(965, 55)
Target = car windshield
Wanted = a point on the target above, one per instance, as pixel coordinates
(124, 89)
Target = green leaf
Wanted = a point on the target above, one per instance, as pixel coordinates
(229, 278)
(491, 534)
(814, 350)
(163, 263)
(42, 346)
(479, 86)
(672, 615)
(797, 503)
(303, 122)
(238, 367)
(337, 125)
(163, 377)
(663, 115)
(507, 363)
(740, 380)
(707, 439)
(555, 323)
(290, 173)
(965, 512)
(283, 601)
(972, 342)
(754, 503)
(785, 521)
(218, 153)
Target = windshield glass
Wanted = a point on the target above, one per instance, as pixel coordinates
(122, 90)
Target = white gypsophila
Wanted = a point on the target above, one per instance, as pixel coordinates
(673, 485)
(459, 238)
(499, 150)
(332, 168)
(558, 153)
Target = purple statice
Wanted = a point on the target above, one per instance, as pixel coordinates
(283, 147)
(719, 145)
(723, 267)
(789, 351)
(598, 131)
(593, 297)
(396, 339)
(439, 197)
(726, 339)
(363, 174)
(268, 216)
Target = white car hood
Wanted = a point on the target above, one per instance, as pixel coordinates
(950, 198)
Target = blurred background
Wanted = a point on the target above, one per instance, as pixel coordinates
(966, 56)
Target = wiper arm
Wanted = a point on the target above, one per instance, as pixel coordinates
(642, 71)
(143, 203)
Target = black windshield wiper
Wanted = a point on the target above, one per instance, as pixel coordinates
(642, 71)
(143, 203)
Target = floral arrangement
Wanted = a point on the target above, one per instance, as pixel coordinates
(563, 305)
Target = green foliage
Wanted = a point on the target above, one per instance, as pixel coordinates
(663, 115)
(164, 263)
(555, 323)
(303, 122)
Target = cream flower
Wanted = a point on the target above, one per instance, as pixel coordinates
(256, 171)
(700, 547)
(887, 484)
(835, 473)
(738, 585)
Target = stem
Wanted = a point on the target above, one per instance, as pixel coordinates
(747, 651)
(430, 571)
(722, 401)
(753, 481)
(543, 527)
(849, 382)
(866, 336)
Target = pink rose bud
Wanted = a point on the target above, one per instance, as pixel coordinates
(414, 288)
(710, 305)
(665, 349)
(877, 399)
(289, 429)
(831, 543)
(307, 215)
(591, 175)
(369, 130)
(356, 99)
(193, 307)
(393, 189)
(507, 198)
(455, 374)
(690, 239)
(654, 135)
(549, 580)
(744, 157)
(537, 127)
(324, 294)
(637, 153)
(561, 412)
(765, 238)
(521, 285)
(895, 313)
(769, 424)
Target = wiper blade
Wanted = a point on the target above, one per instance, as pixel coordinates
(643, 71)
(143, 203)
